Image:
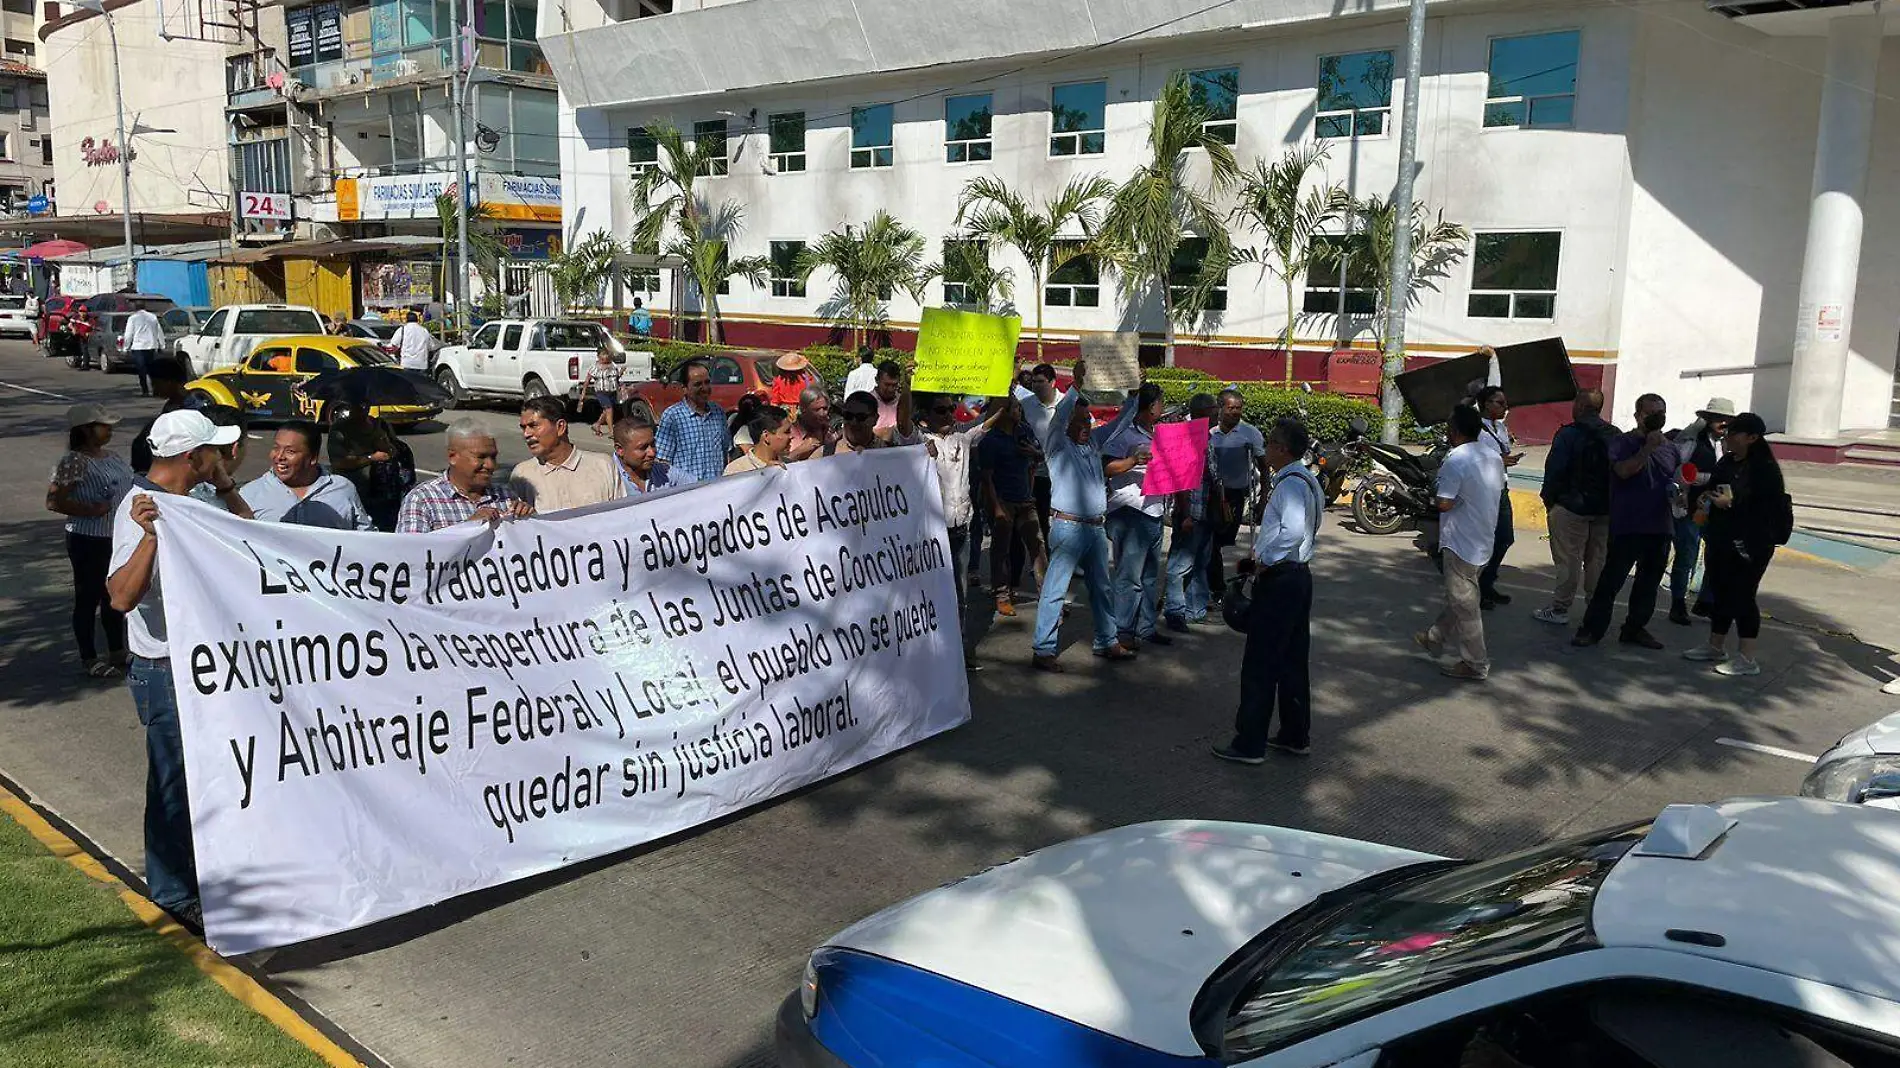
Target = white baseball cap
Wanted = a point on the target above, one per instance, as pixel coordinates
(177, 433)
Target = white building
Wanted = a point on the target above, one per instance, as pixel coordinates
(1643, 173)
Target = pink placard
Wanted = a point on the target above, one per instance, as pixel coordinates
(1180, 455)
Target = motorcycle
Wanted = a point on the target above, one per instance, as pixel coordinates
(68, 342)
(1332, 462)
(1399, 489)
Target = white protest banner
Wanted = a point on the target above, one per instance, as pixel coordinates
(377, 722)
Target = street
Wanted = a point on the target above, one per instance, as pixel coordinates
(678, 953)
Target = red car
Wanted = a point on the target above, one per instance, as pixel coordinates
(734, 375)
(53, 311)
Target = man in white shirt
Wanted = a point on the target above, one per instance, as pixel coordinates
(414, 343)
(863, 377)
(1470, 486)
(187, 449)
(1274, 668)
(1493, 406)
(142, 339)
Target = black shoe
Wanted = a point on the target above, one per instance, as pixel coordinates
(1701, 610)
(1297, 750)
(1487, 603)
(1639, 637)
(1679, 615)
(1585, 640)
(1496, 596)
(1158, 638)
(1229, 753)
(191, 917)
(1177, 624)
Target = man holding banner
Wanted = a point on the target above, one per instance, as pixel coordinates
(1078, 499)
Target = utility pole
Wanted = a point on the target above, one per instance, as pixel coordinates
(125, 146)
(1400, 294)
(464, 17)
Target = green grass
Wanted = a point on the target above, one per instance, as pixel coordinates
(83, 982)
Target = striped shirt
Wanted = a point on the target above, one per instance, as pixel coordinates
(95, 480)
(437, 504)
(604, 379)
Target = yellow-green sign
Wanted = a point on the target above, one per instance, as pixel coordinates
(966, 352)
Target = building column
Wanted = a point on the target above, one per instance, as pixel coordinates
(1830, 270)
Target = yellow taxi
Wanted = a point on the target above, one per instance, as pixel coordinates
(265, 385)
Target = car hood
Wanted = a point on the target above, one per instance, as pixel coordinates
(1879, 738)
(1119, 930)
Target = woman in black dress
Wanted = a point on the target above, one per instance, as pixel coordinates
(1744, 514)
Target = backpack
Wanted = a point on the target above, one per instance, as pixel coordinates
(1781, 518)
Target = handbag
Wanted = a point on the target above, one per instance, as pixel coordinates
(1237, 604)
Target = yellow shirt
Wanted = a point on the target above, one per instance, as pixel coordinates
(582, 479)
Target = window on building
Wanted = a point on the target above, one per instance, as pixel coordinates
(1533, 80)
(16, 47)
(962, 259)
(46, 151)
(1514, 276)
(8, 98)
(18, 7)
(1355, 95)
(1185, 268)
(644, 279)
(264, 166)
(1075, 284)
(709, 137)
(641, 9)
(784, 273)
(240, 73)
(1329, 291)
(871, 137)
(1078, 119)
(40, 99)
(966, 129)
(787, 133)
(643, 152)
(6, 145)
(1218, 91)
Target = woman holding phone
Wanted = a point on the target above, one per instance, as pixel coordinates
(1742, 514)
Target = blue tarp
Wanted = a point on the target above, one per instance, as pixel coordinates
(184, 282)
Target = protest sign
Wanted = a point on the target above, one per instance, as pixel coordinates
(1180, 455)
(374, 723)
(1114, 359)
(966, 353)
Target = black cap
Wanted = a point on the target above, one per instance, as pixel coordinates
(1747, 423)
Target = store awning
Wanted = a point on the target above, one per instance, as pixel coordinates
(103, 230)
(327, 250)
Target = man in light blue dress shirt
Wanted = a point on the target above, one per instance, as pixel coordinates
(1273, 670)
(1078, 499)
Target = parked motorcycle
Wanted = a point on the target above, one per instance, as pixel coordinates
(1400, 488)
(1332, 462)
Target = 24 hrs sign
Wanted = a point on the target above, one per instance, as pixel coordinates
(264, 206)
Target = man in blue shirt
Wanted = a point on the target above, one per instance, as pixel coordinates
(641, 472)
(692, 437)
(1274, 668)
(1078, 499)
(1643, 467)
(641, 320)
(1134, 520)
(297, 490)
(1195, 514)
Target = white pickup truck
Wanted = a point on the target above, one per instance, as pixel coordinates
(522, 358)
(235, 329)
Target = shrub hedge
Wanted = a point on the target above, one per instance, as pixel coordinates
(1327, 415)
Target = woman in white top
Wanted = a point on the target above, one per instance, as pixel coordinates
(87, 483)
(1494, 406)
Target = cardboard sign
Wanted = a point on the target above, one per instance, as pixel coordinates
(1180, 456)
(1114, 359)
(967, 353)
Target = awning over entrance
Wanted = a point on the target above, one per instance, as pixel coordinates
(331, 249)
(99, 231)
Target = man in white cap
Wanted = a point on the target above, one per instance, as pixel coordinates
(187, 449)
(1698, 445)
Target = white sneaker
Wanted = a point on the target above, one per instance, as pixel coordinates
(1558, 616)
(1892, 687)
(1706, 654)
(1741, 665)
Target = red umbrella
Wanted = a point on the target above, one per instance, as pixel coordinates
(49, 250)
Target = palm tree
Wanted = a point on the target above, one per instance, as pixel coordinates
(988, 210)
(966, 261)
(485, 249)
(1274, 201)
(1437, 245)
(1158, 209)
(666, 200)
(579, 272)
(869, 264)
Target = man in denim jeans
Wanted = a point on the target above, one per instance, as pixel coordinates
(186, 450)
(1134, 522)
(1196, 515)
(1077, 499)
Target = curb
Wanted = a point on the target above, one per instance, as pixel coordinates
(235, 981)
(1527, 510)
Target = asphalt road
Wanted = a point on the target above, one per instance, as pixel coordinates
(678, 954)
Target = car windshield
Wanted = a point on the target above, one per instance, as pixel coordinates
(1361, 951)
(574, 336)
(8, 303)
(385, 331)
(278, 321)
(368, 355)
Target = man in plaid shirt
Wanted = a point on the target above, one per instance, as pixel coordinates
(467, 490)
(692, 438)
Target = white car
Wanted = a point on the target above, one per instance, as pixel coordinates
(19, 316)
(521, 358)
(1863, 768)
(234, 330)
(1756, 931)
